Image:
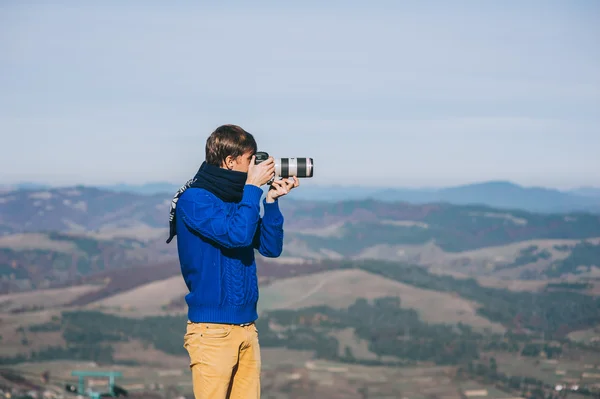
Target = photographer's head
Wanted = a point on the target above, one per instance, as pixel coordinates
(230, 147)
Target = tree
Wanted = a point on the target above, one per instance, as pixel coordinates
(348, 354)
(493, 366)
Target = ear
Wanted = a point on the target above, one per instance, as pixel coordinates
(229, 162)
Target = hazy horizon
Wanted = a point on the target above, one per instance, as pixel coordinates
(304, 181)
(439, 95)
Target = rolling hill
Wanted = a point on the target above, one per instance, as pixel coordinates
(461, 278)
(55, 259)
(380, 309)
(80, 209)
(93, 210)
(53, 236)
(497, 194)
(341, 288)
(350, 226)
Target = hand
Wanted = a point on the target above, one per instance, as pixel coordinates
(279, 188)
(260, 174)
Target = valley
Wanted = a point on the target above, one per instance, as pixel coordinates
(368, 298)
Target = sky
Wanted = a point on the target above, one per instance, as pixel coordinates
(411, 94)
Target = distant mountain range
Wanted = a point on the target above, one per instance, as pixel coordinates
(82, 209)
(498, 194)
(54, 235)
(587, 191)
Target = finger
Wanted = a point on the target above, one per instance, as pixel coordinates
(267, 164)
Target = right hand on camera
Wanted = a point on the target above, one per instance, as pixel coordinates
(262, 173)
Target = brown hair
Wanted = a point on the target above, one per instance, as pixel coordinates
(228, 140)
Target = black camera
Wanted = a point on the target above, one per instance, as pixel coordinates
(288, 167)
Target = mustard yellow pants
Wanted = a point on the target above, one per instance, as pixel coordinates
(224, 360)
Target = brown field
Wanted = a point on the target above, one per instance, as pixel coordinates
(595, 290)
(427, 254)
(298, 249)
(490, 256)
(144, 300)
(512, 285)
(12, 339)
(341, 288)
(332, 230)
(28, 241)
(122, 280)
(140, 231)
(497, 282)
(480, 262)
(47, 298)
(590, 336)
(148, 356)
(580, 368)
(22, 310)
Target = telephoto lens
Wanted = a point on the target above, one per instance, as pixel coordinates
(299, 167)
(289, 167)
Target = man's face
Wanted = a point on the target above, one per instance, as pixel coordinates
(240, 164)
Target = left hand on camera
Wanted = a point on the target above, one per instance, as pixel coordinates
(279, 188)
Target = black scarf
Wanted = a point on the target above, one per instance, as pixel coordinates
(228, 185)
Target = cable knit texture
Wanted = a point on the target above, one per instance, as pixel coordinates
(216, 242)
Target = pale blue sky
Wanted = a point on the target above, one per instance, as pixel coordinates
(437, 93)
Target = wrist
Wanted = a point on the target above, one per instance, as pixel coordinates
(269, 199)
(252, 183)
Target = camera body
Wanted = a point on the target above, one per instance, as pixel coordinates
(288, 167)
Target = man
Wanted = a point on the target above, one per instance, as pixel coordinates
(216, 217)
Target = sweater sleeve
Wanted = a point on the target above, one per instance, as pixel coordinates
(209, 217)
(269, 236)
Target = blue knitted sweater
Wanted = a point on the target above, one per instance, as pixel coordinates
(216, 242)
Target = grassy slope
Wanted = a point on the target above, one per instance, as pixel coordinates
(145, 300)
(341, 288)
